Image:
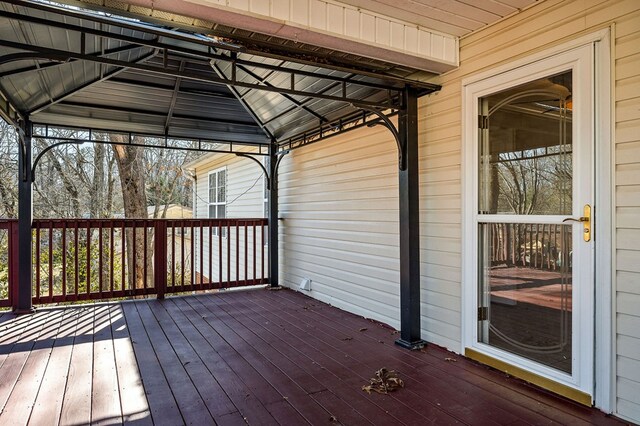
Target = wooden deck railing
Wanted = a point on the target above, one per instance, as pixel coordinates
(89, 259)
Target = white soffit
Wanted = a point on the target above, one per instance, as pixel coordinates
(325, 23)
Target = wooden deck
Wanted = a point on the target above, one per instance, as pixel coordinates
(256, 357)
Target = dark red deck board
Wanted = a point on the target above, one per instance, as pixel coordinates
(245, 357)
(379, 354)
(314, 368)
(206, 343)
(133, 400)
(162, 404)
(105, 400)
(20, 403)
(486, 379)
(190, 403)
(48, 403)
(208, 388)
(339, 371)
(76, 404)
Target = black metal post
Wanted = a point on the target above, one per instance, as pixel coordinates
(273, 216)
(22, 300)
(409, 224)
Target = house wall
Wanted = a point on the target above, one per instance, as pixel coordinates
(339, 198)
(244, 200)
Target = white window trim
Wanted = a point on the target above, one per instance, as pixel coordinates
(604, 365)
(215, 203)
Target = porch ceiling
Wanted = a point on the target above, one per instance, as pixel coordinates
(65, 66)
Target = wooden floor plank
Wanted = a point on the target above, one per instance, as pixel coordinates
(133, 400)
(105, 396)
(162, 404)
(211, 347)
(20, 403)
(210, 391)
(489, 382)
(48, 403)
(272, 366)
(193, 409)
(440, 393)
(76, 405)
(344, 380)
(245, 357)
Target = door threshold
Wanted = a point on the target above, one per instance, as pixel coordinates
(543, 382)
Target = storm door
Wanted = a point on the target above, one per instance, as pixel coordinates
(534, 221)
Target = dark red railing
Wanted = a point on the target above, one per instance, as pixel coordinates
(89, 259)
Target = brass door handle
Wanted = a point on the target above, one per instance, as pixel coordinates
(581, 219)
(586, 222)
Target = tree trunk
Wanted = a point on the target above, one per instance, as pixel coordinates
(132, 179)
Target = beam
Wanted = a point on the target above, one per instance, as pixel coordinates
(250, 126)
(174, 98)
(22, 300)
(409, 224)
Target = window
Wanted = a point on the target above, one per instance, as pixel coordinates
(218, 196)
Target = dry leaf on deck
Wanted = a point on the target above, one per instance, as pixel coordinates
(385, 381)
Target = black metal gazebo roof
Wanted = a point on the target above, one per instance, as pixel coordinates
(65, 66)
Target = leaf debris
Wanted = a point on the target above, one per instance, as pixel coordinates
(385, 381)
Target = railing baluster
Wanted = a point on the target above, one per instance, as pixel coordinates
(100, 253)
(37, 262)
(220, 258)
(64, 262)
(123, 257)
(173, 254)
(201, 256)
(182, 255)
(50, 236)
(144, 256)
(210, 255)
(192, 281)
(134, 257)
(228, 254)
(88, 259)
(254, 253)
(75, 259)
(111, 255)
(262, 251)
(237, 253)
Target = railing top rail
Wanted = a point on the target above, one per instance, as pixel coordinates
(92, 223)
(4, 223)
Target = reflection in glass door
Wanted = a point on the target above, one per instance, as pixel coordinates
(525, 250)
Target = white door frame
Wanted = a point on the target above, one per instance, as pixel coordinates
(600, 383)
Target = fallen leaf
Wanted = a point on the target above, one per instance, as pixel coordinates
(394, 332)
(451, 360)
(347, 338)
(333, 419)
(363, 329)
(384, 381)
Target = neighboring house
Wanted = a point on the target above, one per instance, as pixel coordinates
(228, 186)
(523, 98)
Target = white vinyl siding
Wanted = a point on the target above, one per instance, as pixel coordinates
(547, 24)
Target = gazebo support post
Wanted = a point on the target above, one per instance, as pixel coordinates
(273, 216)
(22, 297)
(409, 223)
